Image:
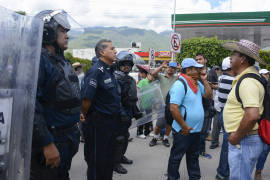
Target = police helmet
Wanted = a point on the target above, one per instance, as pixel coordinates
(125, 57)
(52, 20)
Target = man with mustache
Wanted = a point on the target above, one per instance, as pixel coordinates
(187, 111)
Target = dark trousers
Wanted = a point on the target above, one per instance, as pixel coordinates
(67, 146)
(145, 129)
(188, 145)
(223, 166)
(206, 127)
(216, 130)
(120, 147)
(99, 150)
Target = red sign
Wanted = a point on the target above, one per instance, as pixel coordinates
(175, 42)
(164, 54)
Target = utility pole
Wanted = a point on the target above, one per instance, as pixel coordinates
(172, 53)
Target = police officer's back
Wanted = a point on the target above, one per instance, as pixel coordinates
(101, 107)
(55, 134)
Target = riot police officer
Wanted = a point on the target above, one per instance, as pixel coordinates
(129, 99)
(101, 107)
(58, 102)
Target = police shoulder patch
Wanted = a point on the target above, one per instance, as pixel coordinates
(93, 83)
(101, 69)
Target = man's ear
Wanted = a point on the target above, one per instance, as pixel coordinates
(187, 70)
(101, 52)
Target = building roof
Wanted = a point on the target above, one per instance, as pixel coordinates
(222, 19)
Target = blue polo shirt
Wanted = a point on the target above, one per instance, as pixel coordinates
(100, 87)
(191, 104)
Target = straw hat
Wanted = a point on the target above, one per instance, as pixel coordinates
(245, 47)
(77, 64)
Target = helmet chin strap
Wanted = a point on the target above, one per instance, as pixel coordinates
(57, 49)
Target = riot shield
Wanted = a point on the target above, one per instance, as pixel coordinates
(20, 47)
(150, 103)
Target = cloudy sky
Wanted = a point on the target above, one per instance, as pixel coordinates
(147, 14)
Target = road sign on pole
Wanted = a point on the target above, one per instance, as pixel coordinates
(175, 42)
(152, 57)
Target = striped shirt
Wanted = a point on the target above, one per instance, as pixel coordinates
(224, 88)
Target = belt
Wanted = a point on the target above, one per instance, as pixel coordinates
(252, 132)
(61, 131)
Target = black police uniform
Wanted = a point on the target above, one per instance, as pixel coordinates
(56, 115)
(129, 99)
(102, 120)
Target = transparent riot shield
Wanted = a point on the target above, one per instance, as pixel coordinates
(20, 47)
(150, 103)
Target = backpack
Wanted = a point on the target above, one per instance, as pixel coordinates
(264, 121)
(168, 114)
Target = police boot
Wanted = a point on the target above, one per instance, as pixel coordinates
(125, 160)
(119, 169)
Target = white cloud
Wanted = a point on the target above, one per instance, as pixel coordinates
(147, 14)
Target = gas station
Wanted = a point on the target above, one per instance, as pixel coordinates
(253, 26)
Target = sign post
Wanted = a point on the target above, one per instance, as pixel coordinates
(173, 52)
(175, 43)
(152, 57)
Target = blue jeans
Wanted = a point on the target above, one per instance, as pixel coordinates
(188, 145)
(242, 159)
(263, 156)
(223, 166)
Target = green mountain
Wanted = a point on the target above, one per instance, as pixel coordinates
(121, 38)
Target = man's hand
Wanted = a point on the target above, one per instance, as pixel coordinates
(234, 139)
(86, 104)
(186, 130)
(157, 70)
(208, 90)
(203, 75)
(165, 64)
(52, 155)
(82, 118)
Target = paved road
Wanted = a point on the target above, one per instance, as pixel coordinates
(150, 163)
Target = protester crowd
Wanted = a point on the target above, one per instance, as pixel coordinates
(199, 103)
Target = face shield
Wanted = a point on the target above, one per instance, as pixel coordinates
(63, 19)
(122, 55)
(125, 61)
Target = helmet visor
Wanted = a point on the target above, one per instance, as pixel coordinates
(66, 21)
(124, 55)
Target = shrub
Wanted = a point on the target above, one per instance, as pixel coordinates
(265, 55)
(72, 60)
(211, 47)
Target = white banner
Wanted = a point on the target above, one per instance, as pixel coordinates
(5, 124)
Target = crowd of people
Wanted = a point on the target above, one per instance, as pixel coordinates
(104, 101)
